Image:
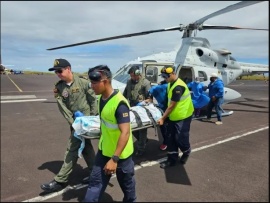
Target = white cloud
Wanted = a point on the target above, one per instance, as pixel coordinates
(28, 28)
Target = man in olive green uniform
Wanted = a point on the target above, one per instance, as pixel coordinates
(136, 91)
(72, 94)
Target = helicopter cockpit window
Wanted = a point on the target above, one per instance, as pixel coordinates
(233, 59)
(122, 74)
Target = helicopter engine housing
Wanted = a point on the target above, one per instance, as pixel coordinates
(207, 54)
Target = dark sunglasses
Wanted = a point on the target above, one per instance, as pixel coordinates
(166, 76)
(59, 71)
(97, 75)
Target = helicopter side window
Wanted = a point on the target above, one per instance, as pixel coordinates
(202, 75)
(151, 74)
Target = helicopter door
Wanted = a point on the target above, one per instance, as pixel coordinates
(186, 74)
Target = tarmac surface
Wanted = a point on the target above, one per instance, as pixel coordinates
(228, 163)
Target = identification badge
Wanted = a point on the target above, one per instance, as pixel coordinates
(65, 94)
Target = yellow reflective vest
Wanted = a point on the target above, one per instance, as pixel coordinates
(110, 132)
(184, 108)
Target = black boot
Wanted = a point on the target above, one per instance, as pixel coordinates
(53, 186)
(167, 164)
(184, 158)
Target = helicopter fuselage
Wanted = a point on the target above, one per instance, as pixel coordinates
(197, 54)
(194, 59)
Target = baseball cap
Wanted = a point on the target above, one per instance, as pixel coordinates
(59, 63)
(166, 71)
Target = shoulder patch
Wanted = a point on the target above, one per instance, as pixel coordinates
(83, 77)
(125, 114)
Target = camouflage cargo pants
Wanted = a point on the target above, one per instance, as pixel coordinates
(71, 157)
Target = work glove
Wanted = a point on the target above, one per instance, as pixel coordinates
(78, 114)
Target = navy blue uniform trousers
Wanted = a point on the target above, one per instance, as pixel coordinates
(178, 137)
(163, 129)
(99, 180)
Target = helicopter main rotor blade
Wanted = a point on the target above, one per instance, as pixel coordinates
(118, 37)
(222, 27)
(226, 10)
(187, 29)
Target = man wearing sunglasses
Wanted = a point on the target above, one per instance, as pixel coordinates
(72, 94)
(179, 113)
(136, 91)
(115, 146)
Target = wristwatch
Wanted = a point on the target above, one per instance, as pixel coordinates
(115, 158)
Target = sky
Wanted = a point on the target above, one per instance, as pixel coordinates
(28, 28)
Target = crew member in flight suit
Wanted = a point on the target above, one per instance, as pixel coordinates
(72, 94)
(136, 91)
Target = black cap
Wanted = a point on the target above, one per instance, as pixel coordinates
(59, 63)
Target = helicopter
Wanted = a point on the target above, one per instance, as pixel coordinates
(3, 68)
(194, 58)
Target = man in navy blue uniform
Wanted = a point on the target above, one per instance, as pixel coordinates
(115, 146)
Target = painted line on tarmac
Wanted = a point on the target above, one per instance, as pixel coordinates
(142, 165)
(18, 101)
(19, 97)
(14, 84)
(27, 91)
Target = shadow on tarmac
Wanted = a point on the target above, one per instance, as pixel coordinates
(53, 166)
(177, 175)
(78, 195)
(150, 154)
(76, 177)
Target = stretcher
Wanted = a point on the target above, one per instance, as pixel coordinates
(141, 117)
